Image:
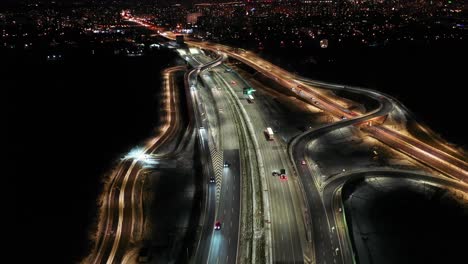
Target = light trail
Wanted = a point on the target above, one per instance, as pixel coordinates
(129, 177)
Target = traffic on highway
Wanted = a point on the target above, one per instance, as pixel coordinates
(276, 150)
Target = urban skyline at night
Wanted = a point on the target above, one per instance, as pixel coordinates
(298, 131)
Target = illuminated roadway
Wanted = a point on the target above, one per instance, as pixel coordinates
(208, 216)
(119, 223)
(287, 226)
(334, 209)
(329, 246)
(288, 233)
(219, 246)
(421, 151)
(320, 221)
(411, 146)
(325, 243)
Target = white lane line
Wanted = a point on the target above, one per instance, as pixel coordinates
(121, 209)
(132, 225)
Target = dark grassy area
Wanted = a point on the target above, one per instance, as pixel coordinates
(68, 123)
(407, 223)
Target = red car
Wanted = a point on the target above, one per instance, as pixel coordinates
(283, 177)
(217, 225)
(233, 82)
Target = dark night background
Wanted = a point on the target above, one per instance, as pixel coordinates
(69, 121)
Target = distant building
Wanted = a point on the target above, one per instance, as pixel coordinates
(324, 43)
(192, 18)
(180, 39)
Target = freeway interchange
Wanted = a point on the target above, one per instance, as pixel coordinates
(329, 240)
(249, 215)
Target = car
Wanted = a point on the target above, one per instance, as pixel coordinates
(316, 102)
(283, 177)
(212, 179)
(217, 225)
(249, 101)
(303, 162)
(275, 173)
(283, 172)
(343, 117)
(226, 164)
(233, 82)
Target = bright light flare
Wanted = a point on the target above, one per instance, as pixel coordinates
(137, 153)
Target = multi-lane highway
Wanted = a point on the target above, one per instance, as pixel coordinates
(225, 241)
(218, 246)
(333, 248)
(215, 94)
(288, 236)
(286, 221)
(433, 157)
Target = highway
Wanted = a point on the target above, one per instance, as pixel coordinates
(333, 203)
(286, 222)
(319, 199)
(320, 221)
(119, 223)
(288, 234)
(433, 157)
(229, 204)
(329, 245)
(219, 246)
(325, 245)
(208, 216)
(430, 155)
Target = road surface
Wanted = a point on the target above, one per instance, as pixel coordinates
(119, 222)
